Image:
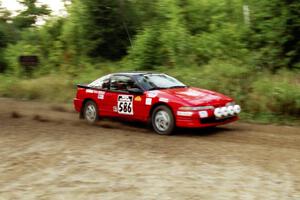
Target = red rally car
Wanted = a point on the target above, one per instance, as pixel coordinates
(153, 97)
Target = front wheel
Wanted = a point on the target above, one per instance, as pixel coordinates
(90, 112)
(163, 121)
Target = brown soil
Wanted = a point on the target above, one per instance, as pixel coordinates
(46, 152)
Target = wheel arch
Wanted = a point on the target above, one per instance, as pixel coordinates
(155, 106)
(83, 104)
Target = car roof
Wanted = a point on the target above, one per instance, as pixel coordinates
(134, 73)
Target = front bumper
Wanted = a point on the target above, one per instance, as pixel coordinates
(195, 121)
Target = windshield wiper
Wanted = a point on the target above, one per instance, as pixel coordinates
(157, 88)
(178, 86)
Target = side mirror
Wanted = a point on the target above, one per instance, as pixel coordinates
(135, 91)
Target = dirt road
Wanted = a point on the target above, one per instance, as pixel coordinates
(46, 152)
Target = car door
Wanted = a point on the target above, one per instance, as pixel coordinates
(125, 104)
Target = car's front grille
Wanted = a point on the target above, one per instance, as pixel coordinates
(211, 120)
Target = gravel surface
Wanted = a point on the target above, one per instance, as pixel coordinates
(46, 152)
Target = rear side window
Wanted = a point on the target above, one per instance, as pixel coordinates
(101, 83)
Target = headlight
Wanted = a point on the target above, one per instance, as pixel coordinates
(196, 108)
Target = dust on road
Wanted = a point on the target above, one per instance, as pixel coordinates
(46, 152)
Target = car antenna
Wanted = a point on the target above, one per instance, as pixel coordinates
(124, 23)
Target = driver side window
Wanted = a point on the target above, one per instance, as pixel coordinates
(122, 83)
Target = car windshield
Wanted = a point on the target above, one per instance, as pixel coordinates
(158, 81)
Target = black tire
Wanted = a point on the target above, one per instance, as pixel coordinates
(164, 129)
(90, 117)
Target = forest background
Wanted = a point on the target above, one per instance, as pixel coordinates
(247, 49)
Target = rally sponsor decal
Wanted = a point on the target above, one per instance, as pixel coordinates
(89, 91)
(101, 94)
(138, 98)
(125, 104)
(148, 101)
(152, 94)
(164, 100)
(185, 114)
(115, 109)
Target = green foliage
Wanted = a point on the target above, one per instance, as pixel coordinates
(101, 28)
(7, 35)
(180, 36)
(162, 43)
(28, 17)
(225, 43)
(51, 46)
(228, 77)
(45, 88)
(74, 33)
(57, 86)
(145, 54)
(208, 15)
(278, 93)
(12, 53)
(174, 37)
(275, 31)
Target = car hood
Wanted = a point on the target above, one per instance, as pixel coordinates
(199, 97)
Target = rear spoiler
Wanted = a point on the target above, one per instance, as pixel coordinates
(84, 86)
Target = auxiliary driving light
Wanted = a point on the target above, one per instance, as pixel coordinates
(218, 112)
(237, 109)
(224, 111)
(230, 110)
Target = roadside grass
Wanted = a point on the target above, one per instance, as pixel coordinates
(47, 88)
(269, 118)
(54, 87)
(265, 97)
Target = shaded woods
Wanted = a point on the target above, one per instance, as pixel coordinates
(249, 49)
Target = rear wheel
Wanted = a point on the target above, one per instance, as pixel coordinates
(90, 112)
(163, 121)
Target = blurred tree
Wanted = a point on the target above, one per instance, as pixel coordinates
(146, 52)
(30, 15)
(275, 32)
(5, 15)
(101, 28)
(7, 35)
(52, 48)
(74, 33)
(190, 32)
(158, 32)
(164, 39)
